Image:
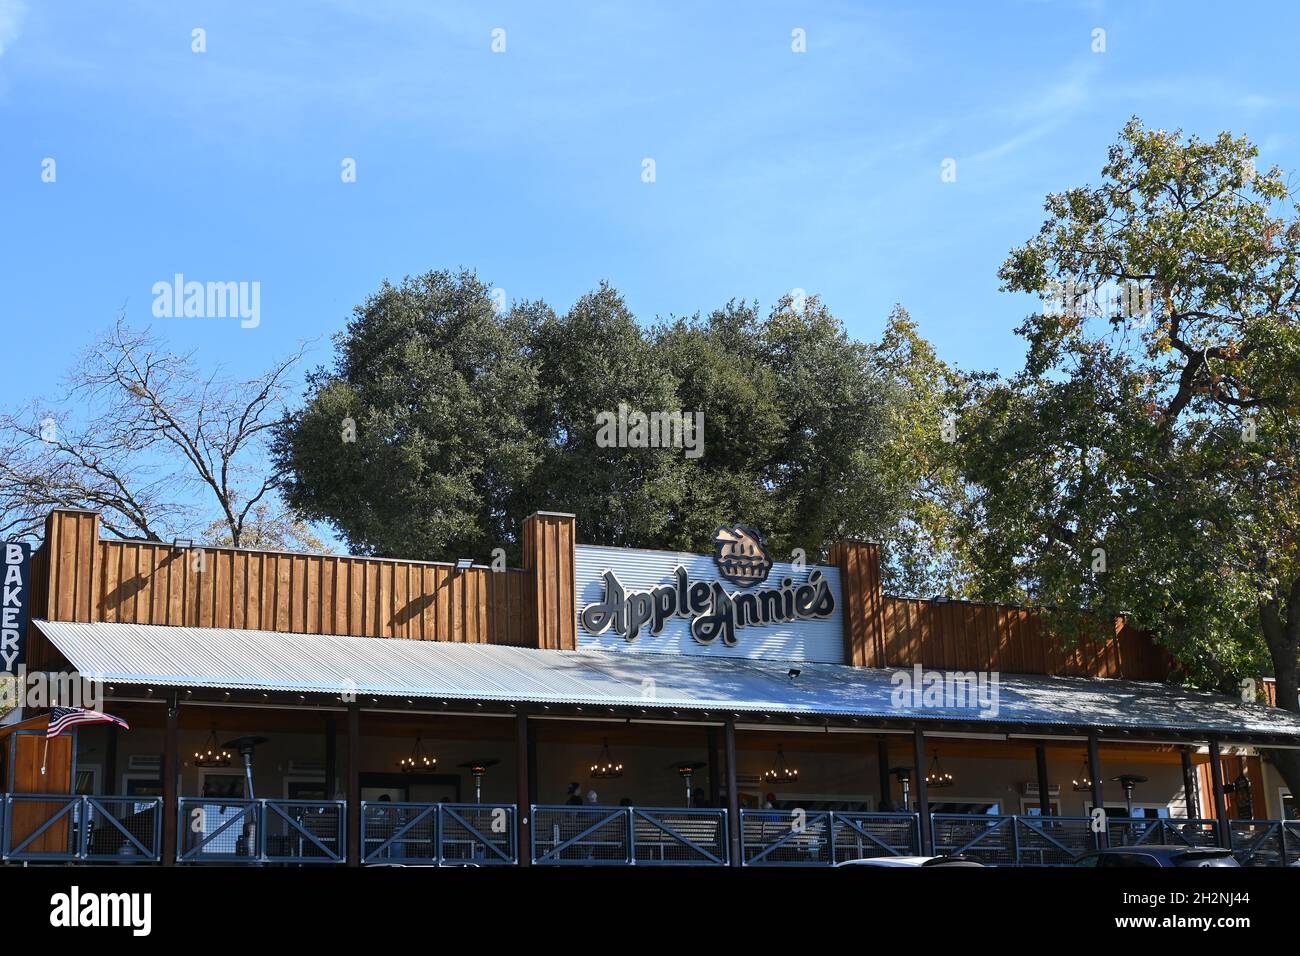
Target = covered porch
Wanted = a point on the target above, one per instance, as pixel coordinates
(271, 748)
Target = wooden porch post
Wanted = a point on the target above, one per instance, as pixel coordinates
(1044, 790)
(1098, 796)
(1190, 796)
(715, 778)
(1220, 803)
(733, 798)
(110, 760)
(922, 792)
(331, 758)
(171, 766)
(523, 754)
(882, 768)
(354, 784)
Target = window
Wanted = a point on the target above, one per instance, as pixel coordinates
(1290, 807)
(222, 785)
(87, 781)
(142, 785)
(964, 805)
(1149, 811)
(1031, 808)
(304, 788)
(816, 802)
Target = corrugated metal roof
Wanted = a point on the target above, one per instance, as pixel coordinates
(221, 658)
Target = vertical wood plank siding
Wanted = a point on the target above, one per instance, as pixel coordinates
(81, 578)
(885, 631)
(548, 544)
(78, 577)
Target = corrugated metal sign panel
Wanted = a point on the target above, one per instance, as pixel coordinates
(164, 656)
(804, 640)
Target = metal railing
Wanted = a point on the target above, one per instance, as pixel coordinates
(67, 828)
(261, 831)
(477, 834)
(123, 829)
(628, 836)
(857, 836)
(219, 831)
(1265, 842)
(1012, 840)
(679, 837)
(824, 837)
(438, 834)
(786, 837)
(304, 831)
(72, 827)
(587, 836)
(1148, 831)
(393, 833)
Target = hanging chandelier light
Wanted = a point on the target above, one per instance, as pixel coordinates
(420, 761)
(212, 755)
(938, 777)
(781, 772)
(605, 768)
(1082, 782)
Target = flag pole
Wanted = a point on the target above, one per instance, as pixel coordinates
(45, 750)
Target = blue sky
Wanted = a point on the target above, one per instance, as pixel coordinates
(774, 170)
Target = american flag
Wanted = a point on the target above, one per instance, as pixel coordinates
(61, 718)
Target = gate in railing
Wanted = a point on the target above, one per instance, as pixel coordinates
(1012, 840)
(261, 831)
(1265, 842)
(67, 827)
(856, 836)
(1162, 830)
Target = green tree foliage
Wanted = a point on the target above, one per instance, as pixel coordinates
(412, 444)
(1159, 439)
(465, 420)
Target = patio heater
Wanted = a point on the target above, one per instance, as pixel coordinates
(904, 777)
(686, 770)
(477, 769)
(1128, 781)
(245, 747)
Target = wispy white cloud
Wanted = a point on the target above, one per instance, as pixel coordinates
(11, 17)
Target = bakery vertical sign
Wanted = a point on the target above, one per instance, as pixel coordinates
(15, 607)
(736, 601)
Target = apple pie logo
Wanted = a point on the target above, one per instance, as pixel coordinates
(741, 555)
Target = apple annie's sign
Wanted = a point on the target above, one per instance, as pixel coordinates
(714, 613)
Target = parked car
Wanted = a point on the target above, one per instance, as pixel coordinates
(912, 861)
(1159, 855)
